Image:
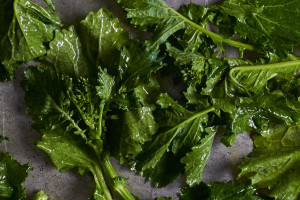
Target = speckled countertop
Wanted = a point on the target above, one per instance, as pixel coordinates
(70, 186)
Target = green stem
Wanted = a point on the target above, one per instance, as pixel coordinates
(101, 182)
(100, 122)
(112, 176)
(118, 186)
(213, 35)
(266, 66)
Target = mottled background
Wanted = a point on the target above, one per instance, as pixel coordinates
(70, 186)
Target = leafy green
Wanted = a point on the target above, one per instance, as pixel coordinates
(68, 153)
(258, 114)
(12, 175)
(180, 131)
(40, 196)
(102, 36)
(219, 191)
(96, 92)
(195, 160)
(156, 16)
(255, 78)
(274, 163)
(137, 64)
(273, 24)
(65, 55)
(76, 112)
(19, 41)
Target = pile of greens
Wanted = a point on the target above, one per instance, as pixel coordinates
(96, 92)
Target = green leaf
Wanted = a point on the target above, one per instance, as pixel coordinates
(182, 130)
(259, 112)
(64, 108)
(274, 163)
(50, 4)
(12, 175)
(48, 102)
(271, 23)
(219, 191)
(102, 36)
(255, 78)
(137, 64)
(69, 152)
(40, 196)
(195, 160)
(138, 125)
(19, 41)
(157, 16)
(65, 55)
(135, 124)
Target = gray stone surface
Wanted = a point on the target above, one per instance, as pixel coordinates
(70, 186)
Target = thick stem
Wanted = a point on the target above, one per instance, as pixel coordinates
(111, 175)
(99, 179)
(118, 186)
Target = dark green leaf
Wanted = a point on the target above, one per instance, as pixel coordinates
(136, 66)
(102, 37)
(271, 23)
(195, 160)
(65, 55)
(220, 191)
(19, 41)
(183, 130)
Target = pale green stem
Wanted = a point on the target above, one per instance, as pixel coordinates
(213, 35)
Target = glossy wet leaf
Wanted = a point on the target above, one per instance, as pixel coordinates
(195, 160)
(274, 163)
(182, 130)
(20, 43)
(272, 23)
(137, 64)
(12, 176)
(259, 113)
(102, 37)
(65, 55)
(69, 152)
(255, 78)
